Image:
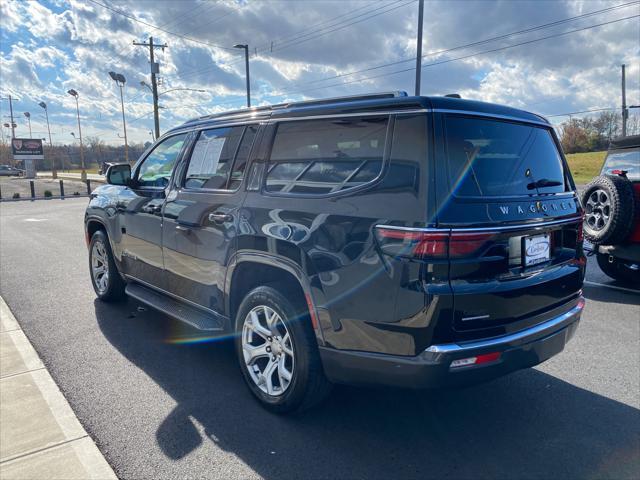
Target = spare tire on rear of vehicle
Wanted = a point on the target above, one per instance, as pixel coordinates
(609, 207)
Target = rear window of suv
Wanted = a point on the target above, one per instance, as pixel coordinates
(488, 158)
(628, 160)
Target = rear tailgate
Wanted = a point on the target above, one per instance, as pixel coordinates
(515, 252)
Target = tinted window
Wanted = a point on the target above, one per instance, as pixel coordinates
(324, 156)
(628, 160)
(212, 157)
(241, 158)
(494, 158)
(156, 169)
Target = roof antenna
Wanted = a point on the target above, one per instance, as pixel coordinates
(453, 95)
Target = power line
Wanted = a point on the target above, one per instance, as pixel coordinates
(368, 15)
(580, 111)
(286, 92)
(184, 37)
(481, 42)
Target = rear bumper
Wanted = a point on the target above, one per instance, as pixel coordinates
(629, 252)
(432, 368)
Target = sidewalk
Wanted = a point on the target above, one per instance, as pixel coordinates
(40, 437)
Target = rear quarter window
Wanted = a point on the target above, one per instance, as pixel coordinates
(325, 156)
(492, 158)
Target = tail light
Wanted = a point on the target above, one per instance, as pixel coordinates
(580, 235)
(430, 244)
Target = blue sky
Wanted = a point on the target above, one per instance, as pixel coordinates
(306, 49)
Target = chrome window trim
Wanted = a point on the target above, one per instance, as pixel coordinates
(456, 348)
(493, 115)
(520, 226)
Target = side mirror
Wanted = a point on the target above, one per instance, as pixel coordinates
(119, 174)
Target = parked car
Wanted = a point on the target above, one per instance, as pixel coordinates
(9, 171)
(382, 239)
(612, 211)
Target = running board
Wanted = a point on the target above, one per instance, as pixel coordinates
(193, 316)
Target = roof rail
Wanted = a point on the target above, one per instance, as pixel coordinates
(326, 101)
(322, 101)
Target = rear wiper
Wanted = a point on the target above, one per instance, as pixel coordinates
(543, 182)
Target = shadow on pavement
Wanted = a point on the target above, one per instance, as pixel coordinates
(529, 424)
(608, 295)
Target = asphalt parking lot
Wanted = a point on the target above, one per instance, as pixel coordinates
(158, 408)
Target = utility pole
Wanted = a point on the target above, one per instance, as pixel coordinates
(625, 111)
(245, 47)
(13, 124)
(155, 69)
(419, 46)
(28, 115)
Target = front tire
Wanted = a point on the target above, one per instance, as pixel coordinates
(278, 353)
(105, 278)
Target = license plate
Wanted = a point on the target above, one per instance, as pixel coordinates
(537, 249)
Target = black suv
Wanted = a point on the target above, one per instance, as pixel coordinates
(381, 239)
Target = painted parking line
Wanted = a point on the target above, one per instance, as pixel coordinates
(614, 287)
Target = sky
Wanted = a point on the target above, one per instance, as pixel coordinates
(548, 57)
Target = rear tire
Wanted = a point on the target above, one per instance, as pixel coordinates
(105, 278)
(618, 269)
(278, 352)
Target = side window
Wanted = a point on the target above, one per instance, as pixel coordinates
(212, 157)
(241, 158)
(325, 156)
(156, 169)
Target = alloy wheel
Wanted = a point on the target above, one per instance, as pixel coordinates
(267, 350)
(100, 266)
(598, 209)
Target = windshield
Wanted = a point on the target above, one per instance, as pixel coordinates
(497, 158)
(628, 160)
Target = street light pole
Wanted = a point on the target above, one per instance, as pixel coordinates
(246, 64)
(120, 81)
(54, 172)
(83, 173)
(419, 47)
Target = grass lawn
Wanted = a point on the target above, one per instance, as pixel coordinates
(585, 166)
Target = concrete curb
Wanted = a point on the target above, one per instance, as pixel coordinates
(40, 438)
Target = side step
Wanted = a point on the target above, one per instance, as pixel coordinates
(193, 316)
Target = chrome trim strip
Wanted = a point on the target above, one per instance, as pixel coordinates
(477, 317)
(353, 114)
(501, 341)
(520, 226)
(492, 115)
(175, 297)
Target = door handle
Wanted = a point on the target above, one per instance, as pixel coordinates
(219, 217)
(182, 228)
(152, 208)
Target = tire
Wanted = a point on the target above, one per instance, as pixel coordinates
(618, 269)
(111, 288)
(609, 206)
(296, 354)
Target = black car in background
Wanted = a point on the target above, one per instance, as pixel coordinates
(381, 239)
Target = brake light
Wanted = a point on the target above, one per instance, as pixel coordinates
(464, 244)
(418, 243)
(401, 242)
(580, 235)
